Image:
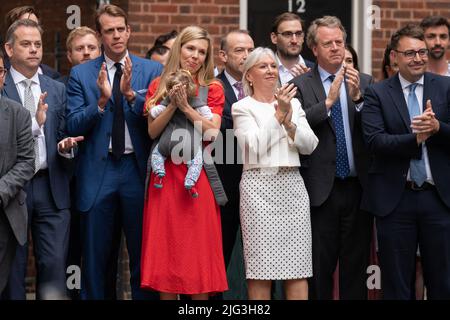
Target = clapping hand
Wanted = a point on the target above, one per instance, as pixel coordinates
(352, 76)
(334, 92)
(125, 81)
(41, 111)
(284, 96)
(426, 124)
(298, 69)
(104, 86)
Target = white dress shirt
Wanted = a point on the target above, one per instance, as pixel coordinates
(283, 72)
(111, 71)
(38, 131)
(419, 94)
(263, 141)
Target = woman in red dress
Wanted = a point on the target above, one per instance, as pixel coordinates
(182, 239)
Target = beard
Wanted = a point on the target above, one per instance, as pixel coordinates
(288, 55)
(437, 55)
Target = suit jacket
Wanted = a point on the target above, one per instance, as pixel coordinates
(84, 118)
(54, 130)
(16, 164)
(230, 173)
(386, 126)
(319, 169)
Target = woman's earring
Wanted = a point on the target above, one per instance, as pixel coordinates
(251, 84)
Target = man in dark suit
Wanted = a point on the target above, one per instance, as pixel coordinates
(234, 49)
(17, 167)
(105, 104)
(288, 36)
(334, 174)
(48, 192)
(406, 125)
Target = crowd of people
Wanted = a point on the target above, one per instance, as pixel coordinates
(299, 156)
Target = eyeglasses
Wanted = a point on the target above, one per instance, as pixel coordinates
(329, 44)
(290, 34)
(3, 72)
(410, 54)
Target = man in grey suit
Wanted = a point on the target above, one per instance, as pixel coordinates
(335, 173)
(16, 168)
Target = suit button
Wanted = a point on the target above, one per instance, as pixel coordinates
(111, 109)
(404, 176)
(108, 134)
(333, 162)
(103, 158)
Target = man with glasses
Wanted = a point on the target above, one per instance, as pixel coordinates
(406, 124)
(17, 159)
(437, 31)
(288, 37)
(335, 173)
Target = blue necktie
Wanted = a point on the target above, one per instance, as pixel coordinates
(417, 167)
(342, 164)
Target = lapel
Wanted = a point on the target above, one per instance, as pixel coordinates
(319, 91)
(10, 89)
(4, 121)
(428, 89)
(48, 125)
(230, 96)
(350, 107)
(135, 71)
(396, 92)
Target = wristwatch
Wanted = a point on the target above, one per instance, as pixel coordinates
(360, 100)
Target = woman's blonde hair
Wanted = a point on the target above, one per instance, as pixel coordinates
(205, 74)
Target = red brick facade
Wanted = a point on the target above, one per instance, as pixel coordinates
(397, 13)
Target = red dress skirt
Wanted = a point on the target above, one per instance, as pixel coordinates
(182, 237)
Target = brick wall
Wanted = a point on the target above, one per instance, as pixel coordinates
(150, 18)
(397, 13)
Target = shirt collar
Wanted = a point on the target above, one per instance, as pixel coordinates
(230, 78)
(405, 83)
(18, 77)
(282, 67)
(324, 75)
(110, 63)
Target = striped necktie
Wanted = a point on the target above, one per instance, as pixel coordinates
(30, 105)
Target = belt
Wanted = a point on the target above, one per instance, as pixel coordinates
(411, 185)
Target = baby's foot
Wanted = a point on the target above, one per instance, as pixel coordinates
(192, 191)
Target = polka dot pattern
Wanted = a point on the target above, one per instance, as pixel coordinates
(276, 227)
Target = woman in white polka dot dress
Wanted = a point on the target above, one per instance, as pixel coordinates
(272, 130)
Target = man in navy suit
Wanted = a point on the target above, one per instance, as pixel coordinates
(234, 49)
(406, 126)
(105, 104)
(48, 192)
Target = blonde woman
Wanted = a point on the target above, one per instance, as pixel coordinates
(182, 240)
(272, 130)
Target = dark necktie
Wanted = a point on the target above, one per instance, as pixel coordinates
(240, 89)
(417, 167)
(342, 164)
(118, 130)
